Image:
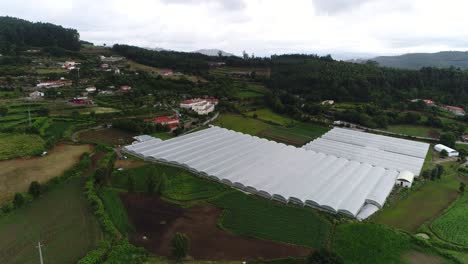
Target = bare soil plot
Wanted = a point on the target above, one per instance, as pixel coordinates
(159, 221)
(17, 174)
(415, 257)
(129, 163)
(110, 136)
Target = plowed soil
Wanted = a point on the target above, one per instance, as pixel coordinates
(156, 222)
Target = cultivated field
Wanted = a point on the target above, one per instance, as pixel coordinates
(296, 133)
(413, 130)
(60, 219)
(20, 145)
(17, 174)
(159, 221)
(109, 136)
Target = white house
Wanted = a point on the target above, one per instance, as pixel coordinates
(327, 102)
(199, 105)
(203, 108)
(36, 94)
(405, 179)
(91, 89)
(451, 152)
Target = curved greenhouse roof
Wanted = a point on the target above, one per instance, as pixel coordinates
(335, 183)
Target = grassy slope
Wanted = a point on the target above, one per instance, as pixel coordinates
(116, 210)
(412, 130)
(241, 124)
(20, 145)
(422, 204)
(266, 114)
(60, 219)
(257, 217)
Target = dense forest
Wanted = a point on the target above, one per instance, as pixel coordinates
(17, 34)
(180, 61)
(443, 59)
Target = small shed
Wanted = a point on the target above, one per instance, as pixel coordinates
(405, 179)
(451, 152)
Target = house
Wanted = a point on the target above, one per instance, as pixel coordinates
(327, 102)
(405, 179)
(165, 72)
(106, 92)
(171, 121)
(199, 105)
(69, 65)
(104, 66)
(91, 89)
(143, 138)
(81, 101)
(458, 111)
(125, 88)
(36, 95)
(111, 58)
(465, 137)
(451, 152)
(428, 102)
(54, 84)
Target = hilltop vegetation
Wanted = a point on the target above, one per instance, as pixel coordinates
(17, 33)
(416, 61)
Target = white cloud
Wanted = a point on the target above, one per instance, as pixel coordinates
(263, 27)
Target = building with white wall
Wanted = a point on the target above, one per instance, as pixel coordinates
(450, 151)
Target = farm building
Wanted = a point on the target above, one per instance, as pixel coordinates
(200, 106)
(81, 101)
(36, 95)
(328, 182)
(171, 121)
(405, 179)
(458, 111)
(54, 84)
(451, 152)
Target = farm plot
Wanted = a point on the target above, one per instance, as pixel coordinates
(159, 221)
(20, 145)
(257, 217)
(109, 136)
(60, 219)
(452, 226)
(371, 243)
(269, 116)
(116, 210)
(412, 130)
(17, 174)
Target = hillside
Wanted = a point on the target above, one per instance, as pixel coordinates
(18, 33)
(443, 59)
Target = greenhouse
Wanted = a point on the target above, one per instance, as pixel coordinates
(276, 171)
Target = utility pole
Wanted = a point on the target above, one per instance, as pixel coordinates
(40, 251)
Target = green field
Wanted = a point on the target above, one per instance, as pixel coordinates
(422, 204)
(412, 130)
(241, 124)
(269, 116)
(298, 134)
(452, 226)
(20, 145)
(163, 135)
(253, 216)
(179, 184)
(370, 243)
(116, 210)
(60, 219)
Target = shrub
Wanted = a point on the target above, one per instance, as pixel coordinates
(18, 201)
(324, 256)
(179, 246)
(35, 189)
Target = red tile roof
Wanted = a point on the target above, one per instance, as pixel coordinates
(455, 108)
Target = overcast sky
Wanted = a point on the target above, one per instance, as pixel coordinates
(343, 28)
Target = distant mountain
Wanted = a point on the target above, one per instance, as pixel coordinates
(213, 52)
(443, 59)
(157, 49)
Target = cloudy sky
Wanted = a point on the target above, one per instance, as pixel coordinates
(343, 28)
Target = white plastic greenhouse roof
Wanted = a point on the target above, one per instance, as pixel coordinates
(388, 152)
(274, 170)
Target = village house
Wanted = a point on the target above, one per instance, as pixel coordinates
(199, 105)
(125, 88)
(91, 89)
(36, 95)
(327, 102)
(111, 58)
(165, 72)
(458, 111)
(69, 65)
(427, 102)
(81, 101)
(54, 84)
(171, 121)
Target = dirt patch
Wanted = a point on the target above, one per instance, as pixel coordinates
(128, 163)
(159, 221)
(415, 257)
(110, 136)
(433, 134)
(17, 174)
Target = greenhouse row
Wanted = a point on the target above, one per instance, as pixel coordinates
(276, 171)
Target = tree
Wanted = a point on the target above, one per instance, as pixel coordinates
(440, 171)
(443, 154)
(18, 201)
(426, 174)
(150, 184)
(448, 139)
(100, 176)
(35, 189)
(179, 246)
(130, 184)
(462, 187)
(324, 256)
(434, 173)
